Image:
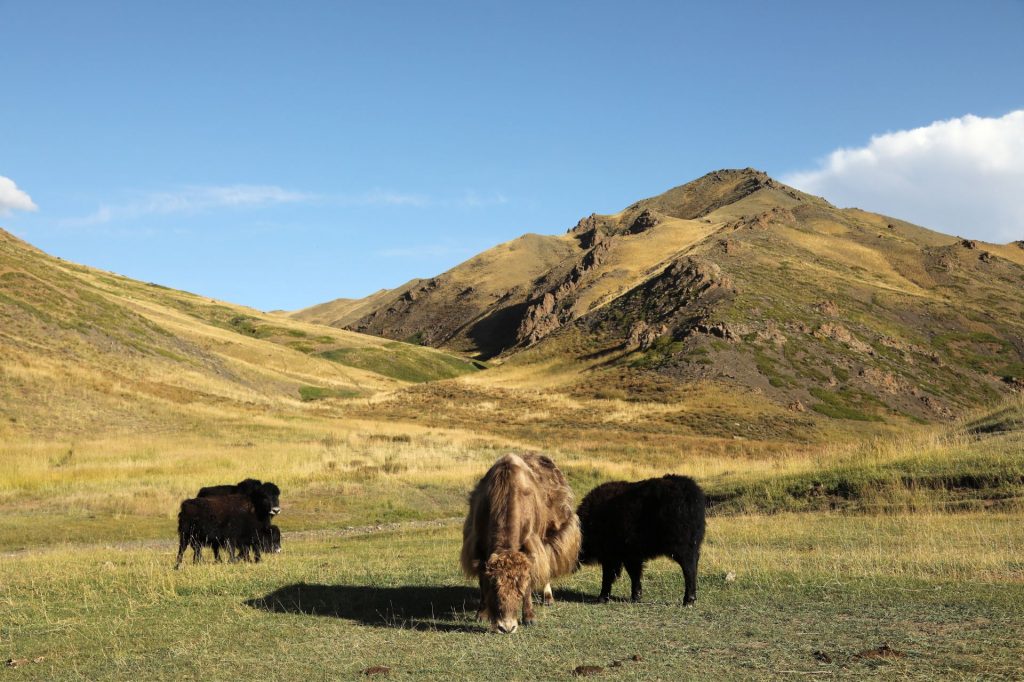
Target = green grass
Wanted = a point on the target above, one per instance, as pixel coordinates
(310, 393)
(403, 362)
(331, 606)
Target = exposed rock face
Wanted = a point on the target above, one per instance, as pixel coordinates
(837, 332)
(827, 308)
(588, 231)
(645, 221)
(762, 221)
(968, 243)
(886, 381)
(985, 257)
(642, 335)
(554, 307)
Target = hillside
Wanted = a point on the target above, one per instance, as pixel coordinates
(82, 350)
(736, 279)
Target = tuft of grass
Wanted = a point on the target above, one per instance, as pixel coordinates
(310, 393)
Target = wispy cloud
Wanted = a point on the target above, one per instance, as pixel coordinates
(191, 200)
(962, 176)
(14, 199)
(424, 251)
(203, 199)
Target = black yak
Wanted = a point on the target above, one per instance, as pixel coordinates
(271, 541)
(238, 522)
(520, 532)
(625, 524)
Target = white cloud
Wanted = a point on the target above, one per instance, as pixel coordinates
(964, 176)
(192, 200)
(14, 199)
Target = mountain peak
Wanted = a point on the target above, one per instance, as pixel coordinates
(712, 191)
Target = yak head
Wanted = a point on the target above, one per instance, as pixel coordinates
(267, 499)
(507, 585)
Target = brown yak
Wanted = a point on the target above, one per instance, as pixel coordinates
(521, 531)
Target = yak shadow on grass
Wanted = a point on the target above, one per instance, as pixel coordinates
(421, 607)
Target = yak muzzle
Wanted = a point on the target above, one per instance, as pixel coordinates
(274, 511)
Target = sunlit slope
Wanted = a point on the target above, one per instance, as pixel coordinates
(472, 307)
(344, 311)
(738, 279)
(84, 349)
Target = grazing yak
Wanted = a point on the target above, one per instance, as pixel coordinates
(521, 531)
(271, 540)
(628, 523)
(239, 522)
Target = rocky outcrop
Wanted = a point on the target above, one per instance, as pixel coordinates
(643, 222)
(554, 308)
(642, 336)
(589, 231)
(828, 308)
(837, 332)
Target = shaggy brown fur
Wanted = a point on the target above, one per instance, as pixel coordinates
(521, 531)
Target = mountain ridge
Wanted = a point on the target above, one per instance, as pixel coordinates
(818, 307)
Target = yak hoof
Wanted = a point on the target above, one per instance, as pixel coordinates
(603, 599)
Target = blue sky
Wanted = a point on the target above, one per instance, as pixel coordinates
(282, 154)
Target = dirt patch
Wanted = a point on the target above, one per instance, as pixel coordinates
(587, 670)
(882, 652)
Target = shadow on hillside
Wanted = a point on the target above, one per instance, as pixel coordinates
(420, 607)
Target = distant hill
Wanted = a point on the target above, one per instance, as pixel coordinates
(737, 279)
(82, 349)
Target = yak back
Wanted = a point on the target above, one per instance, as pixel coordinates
(244, 487)
(642, 519)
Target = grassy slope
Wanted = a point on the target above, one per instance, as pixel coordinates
(342, 312)
(85, 351)
(450, 310)
(854, 315)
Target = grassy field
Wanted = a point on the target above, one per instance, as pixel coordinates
(909, 541)
(814, 594)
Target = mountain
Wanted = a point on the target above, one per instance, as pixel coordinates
(81, 349)
(738, 280)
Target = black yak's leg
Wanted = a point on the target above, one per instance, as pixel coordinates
(688, 561)
(635, 568)
(256, 552)
(216, 551)
(197, 551)
(182, 545)
(609, 574)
